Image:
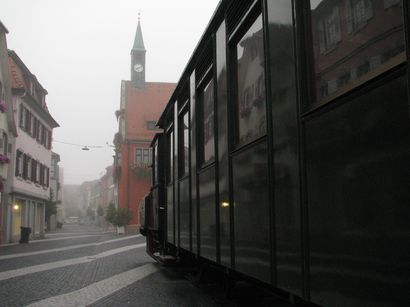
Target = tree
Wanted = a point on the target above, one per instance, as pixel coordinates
(118, 217)
(123, 217)
(111, 214)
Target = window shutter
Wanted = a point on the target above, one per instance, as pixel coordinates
(21, 120)
(34, 170)
(25, 166)
(17, 163)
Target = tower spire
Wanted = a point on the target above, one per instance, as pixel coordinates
(138, 58)
(138, 40)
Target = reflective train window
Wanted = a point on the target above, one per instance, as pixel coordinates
(251, 115)
(206, 100)
(170, 154)
(183, 142)
(354, 41)
(156, 175)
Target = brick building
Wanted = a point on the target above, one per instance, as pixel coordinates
(141, 105)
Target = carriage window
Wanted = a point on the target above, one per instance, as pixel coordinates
(170, 164)
(251, 117)
(183, 141)
(206, 100)
(156, 163)
(353, 42)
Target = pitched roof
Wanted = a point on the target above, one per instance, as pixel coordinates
(20, 79)
(16, 75)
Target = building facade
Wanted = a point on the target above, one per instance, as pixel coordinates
(28, 180)
(7, 127)
(141, 104)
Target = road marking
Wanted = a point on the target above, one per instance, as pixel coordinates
(52, 250)
(53, 239)
(98, 290)
(62, 238)
(59, 264)
(78, 233)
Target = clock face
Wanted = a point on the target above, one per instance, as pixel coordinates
(138, 67)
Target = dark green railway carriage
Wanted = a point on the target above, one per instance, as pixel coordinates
(285, 155)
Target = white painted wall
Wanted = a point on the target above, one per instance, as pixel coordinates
(29, 145)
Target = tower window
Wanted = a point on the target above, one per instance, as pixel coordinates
(151, 125)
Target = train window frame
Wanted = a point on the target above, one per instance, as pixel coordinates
(155, 159)
(249, 20)
(183, 169)
(202, 85)
(372, 75)
(170, 152)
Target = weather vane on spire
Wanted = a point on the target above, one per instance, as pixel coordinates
(139, 15)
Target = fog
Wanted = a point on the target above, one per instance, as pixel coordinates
(80, 51)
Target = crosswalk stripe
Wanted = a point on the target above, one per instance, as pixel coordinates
(58, 264)
(98, 290)
(10, 256)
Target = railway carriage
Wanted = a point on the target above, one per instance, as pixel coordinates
(285, 156)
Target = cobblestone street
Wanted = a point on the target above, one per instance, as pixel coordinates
(82, 265)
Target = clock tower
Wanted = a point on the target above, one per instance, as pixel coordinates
(138, 59)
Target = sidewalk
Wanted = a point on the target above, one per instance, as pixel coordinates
(67, 230)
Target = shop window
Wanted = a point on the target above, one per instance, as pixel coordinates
(251, 99)
(371, 44)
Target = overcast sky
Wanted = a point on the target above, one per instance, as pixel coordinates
(80, 51)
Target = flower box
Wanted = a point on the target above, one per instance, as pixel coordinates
(3, 107)
(4, 159)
